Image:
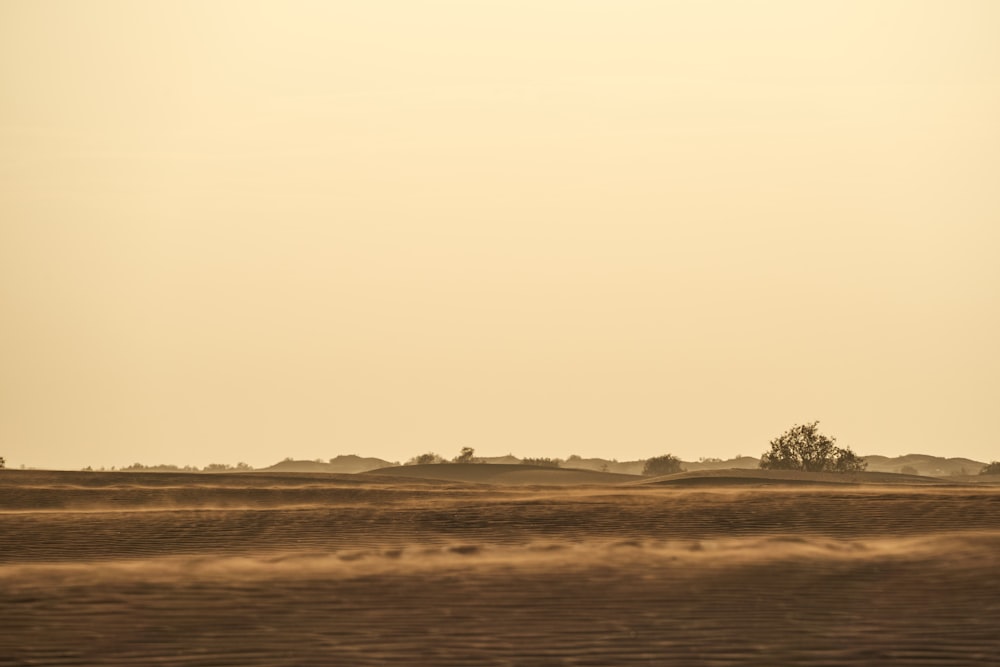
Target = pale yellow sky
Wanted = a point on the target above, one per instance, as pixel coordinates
(235, 230)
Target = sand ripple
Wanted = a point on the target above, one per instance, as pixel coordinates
(335, 572)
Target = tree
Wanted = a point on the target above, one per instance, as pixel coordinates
(992, 469)
(465, 456)
(803, 447)
(668, 464)
(3, 464)
(424, 459)
(541, 461)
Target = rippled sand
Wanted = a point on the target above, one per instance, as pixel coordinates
(249, 569)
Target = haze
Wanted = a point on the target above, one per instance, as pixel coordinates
(250, 230)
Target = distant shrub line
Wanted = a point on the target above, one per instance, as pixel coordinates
(801, 447)
(163, 467)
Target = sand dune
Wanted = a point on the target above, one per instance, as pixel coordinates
(500, 473)
(786, 477)
(375, 569)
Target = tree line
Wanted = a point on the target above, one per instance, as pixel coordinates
(801, 447)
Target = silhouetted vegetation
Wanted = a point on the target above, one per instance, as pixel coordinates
(545, 462)
(225, 467)
(667, 464)
(425, 459)
(3, 463)
(467, 455)
(803, 447)
(993, 468)
(163, 467)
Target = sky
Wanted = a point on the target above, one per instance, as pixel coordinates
(248, 230)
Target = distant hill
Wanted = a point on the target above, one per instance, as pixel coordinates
(924, 464)
(911, 464)
(604, 465)
(743, 462)
(509, 459)
(745, 477)
(635, 467)
(914, 464)
(343, 463)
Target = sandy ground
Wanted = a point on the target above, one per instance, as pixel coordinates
(374, 569)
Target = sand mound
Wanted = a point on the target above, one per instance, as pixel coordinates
(382, 569)
(478, 473)
(744, 477)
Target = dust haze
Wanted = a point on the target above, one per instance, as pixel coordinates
(236, 230)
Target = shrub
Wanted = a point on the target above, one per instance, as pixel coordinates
(805, 448)
(548, 463)
(668, 464)
(467, 455)
(425, 459)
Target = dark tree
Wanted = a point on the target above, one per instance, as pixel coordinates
(667, 464)
(805, 448)
(544, 462)
(992, 469)
(424, 459)
(3, 464)
(467, 455)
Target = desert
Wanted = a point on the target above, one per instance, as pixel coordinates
(466, 564)
(499, 333)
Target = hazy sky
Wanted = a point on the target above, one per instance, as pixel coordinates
(235, 230)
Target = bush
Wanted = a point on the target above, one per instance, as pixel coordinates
(547, 463)
(467, 455)
(425, 459)
(668, 464)
(805, 448)
(992, 469)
